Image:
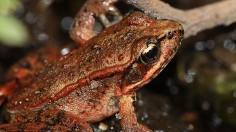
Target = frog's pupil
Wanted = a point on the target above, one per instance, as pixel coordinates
(151, 54)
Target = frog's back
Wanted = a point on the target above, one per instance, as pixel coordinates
(106, 53)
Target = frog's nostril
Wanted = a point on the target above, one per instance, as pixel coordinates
(170, 34)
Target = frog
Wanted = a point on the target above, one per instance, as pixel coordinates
(99, 78)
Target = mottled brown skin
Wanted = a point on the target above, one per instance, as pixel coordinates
(96, 80)
(21, 73)
(24, 70)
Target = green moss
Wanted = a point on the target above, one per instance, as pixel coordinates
(12, 31)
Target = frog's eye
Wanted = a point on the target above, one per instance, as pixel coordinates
(149, 55)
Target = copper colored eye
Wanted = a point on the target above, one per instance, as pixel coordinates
(149, 55)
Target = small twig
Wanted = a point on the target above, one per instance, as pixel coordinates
(193, 20)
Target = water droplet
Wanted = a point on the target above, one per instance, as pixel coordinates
(216, 120)
(140, 102)
(66, 23)
(164, 113)
(37, 92)
(65, 51)
(47, 2)
(189, 77)
(205, 105)
(174, 90)
(145, 115)
(190, 127)
(199, 46)
(103, 126)
(210, 44)
(233, 67)
(93, 84)
(118, 116)
(159, 130)
(42, 37)
(229, 45)
(16, 103)
(30, 18)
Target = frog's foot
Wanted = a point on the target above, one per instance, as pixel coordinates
(48, 120)
(6, 90)
(82, 27)
(129, 121)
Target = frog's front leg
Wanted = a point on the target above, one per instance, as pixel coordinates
(129, 121)
(82, 27)
(47, 120)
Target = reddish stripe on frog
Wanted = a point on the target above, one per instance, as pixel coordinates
(81, 82)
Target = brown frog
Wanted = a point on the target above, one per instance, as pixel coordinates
(98, 79)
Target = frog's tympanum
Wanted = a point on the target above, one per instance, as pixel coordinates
(98, 79)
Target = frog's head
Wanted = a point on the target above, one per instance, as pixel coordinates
(152, 51)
